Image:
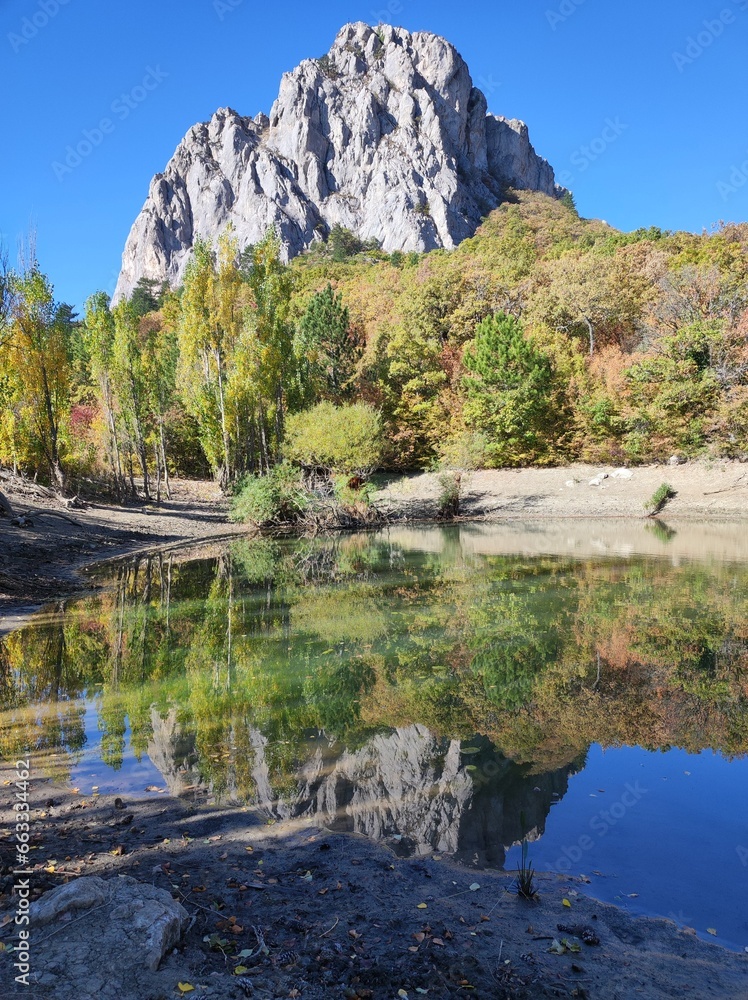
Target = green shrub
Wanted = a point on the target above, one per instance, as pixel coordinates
(464, 450)
(450, 491)
(659, 498)
(351, 492)
(328, 67)
(277, 498)
(339, 439)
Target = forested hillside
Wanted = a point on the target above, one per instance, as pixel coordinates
(543, 339)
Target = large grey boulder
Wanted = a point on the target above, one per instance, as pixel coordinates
(385, 135)
(93, 923)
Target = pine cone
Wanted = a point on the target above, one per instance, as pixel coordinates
(287, 958)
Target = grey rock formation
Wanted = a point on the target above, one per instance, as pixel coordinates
(385, 135)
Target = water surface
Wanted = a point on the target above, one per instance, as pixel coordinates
(446, 690)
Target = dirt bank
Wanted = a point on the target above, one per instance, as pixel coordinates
(47, 559)
(340, 917)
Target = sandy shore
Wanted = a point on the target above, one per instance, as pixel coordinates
(703, 490)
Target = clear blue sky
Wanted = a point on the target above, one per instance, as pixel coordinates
(567, 67)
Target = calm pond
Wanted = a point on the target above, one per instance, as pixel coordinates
(441, 689)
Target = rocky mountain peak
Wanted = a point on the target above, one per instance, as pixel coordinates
(385, 135)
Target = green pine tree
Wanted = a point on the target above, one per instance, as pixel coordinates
(508, 391)
(331, 350)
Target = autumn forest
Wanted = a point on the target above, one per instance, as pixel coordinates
(546, 338)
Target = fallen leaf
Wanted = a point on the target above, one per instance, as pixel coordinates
(474, 887)
(557, 948)
(422, 906)
(566, 903)
(712, 931)
(185, 987)
(240, 970)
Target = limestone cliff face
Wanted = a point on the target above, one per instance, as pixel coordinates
(385, 135)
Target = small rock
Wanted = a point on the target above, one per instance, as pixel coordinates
(621, 474)
(676, 460)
